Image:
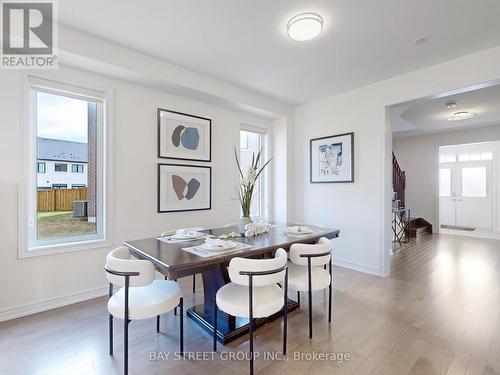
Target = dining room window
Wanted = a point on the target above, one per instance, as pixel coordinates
(251, 142)
(65, 125)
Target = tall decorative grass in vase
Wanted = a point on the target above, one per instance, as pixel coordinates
(246, 187)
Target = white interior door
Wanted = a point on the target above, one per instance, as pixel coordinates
(474, 203)
(447, 209)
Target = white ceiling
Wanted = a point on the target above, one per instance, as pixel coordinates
(244, 42)
(431, 116)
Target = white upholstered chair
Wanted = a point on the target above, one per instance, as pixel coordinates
(307, 272)
(170, 232)
(254, 293)
(139, 296)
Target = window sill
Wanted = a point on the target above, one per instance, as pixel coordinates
(64, 248)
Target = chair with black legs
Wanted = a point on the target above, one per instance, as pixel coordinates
(254, 293)
(307, 272)
(139, 296)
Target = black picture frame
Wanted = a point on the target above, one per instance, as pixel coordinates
(159, 210)
(351, 180)
(158, 115)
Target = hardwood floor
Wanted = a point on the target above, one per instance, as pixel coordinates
(438, 313)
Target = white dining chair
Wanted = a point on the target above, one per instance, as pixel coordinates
(140, 296)
(254, 293)
(307, 274)
(170, 232)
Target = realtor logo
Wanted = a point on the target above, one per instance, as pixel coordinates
(29, 35)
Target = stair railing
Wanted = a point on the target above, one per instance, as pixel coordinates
(398, 181)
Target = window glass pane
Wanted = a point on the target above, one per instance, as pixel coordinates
(474, 182)
(58, 167)
(66, 133)
(475, 156)
(249, 147)
(465, 156)
(243, 140)
(445, 182)
(486, 156)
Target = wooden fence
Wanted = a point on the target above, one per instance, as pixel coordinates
(59, 199)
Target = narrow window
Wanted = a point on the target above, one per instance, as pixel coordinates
(251, 142)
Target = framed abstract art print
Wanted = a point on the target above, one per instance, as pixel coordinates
(184, 137)
(332, 159)
(184, 188)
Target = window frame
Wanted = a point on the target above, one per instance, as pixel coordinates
(77, 169)
(60, 165)
(49, 82)
(265, 177)
(59, 186)
(41, 163)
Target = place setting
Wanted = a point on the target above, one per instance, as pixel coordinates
(216, 246)
(298, 231)
(183, 235)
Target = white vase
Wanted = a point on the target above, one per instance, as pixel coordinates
(244, 220)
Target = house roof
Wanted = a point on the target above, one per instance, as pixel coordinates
(55, 149)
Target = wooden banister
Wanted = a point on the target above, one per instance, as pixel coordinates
(398, 181)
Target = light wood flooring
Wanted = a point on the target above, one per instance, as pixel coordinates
(438, 313)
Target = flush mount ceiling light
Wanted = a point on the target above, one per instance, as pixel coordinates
(422, 40)
(462, 115)
(304, 26)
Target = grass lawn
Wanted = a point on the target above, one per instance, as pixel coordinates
(62, 224)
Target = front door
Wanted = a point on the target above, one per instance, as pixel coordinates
(474, 195)
(465, 194)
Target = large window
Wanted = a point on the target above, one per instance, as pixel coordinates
(66, 126)
(251, 141)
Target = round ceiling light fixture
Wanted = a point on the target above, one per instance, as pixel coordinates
(304, 26)
(462, 115)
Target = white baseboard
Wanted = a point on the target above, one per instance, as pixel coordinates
(51, 303)
(357, 267)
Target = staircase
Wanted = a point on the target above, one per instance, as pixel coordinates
(398, 183)
(404, 226)
(419, 226)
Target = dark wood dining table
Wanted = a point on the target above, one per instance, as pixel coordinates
(174, 262)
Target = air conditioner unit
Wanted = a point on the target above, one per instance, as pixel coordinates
(80, 209)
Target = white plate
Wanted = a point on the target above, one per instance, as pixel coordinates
(218, 248)
(295, 230)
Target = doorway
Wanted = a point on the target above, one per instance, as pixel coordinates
(466, 187)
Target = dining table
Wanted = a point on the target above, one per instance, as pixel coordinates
(173, 261)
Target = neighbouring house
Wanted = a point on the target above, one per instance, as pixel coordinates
(61, 164)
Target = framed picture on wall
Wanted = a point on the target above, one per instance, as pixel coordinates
(332, 159)
(184, 188)
(184, 137)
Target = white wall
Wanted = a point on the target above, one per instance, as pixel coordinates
(34, 280)
(362, 211)
(418, 156)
